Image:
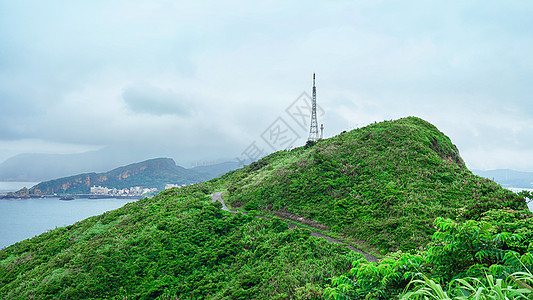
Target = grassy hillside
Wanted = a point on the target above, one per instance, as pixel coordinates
(385, 184)
(177, 243)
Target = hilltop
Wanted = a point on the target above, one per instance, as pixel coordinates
(384, 185)
(150, 173)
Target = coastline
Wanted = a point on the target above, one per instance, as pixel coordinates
(76, 196)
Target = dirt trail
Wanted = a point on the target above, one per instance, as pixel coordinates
(218, 197)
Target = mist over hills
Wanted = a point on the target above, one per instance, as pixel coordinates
(219, 169)
(508, 178)
(36, 167)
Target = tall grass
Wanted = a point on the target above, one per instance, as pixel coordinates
(515, 286)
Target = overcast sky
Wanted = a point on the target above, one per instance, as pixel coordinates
(203, 80)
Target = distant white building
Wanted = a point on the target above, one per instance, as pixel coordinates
(169, 186)
(98, 190)
(148, 191)
(138, 190)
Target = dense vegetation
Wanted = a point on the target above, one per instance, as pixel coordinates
(385, 183)
(176, 244)
(487, 259)
(400, 186)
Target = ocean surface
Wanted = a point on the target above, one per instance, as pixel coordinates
(25, 218)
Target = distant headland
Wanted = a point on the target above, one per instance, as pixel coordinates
(136, 180)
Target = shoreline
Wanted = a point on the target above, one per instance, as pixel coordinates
(76, 196)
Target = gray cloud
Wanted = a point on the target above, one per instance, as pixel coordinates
(205, 79)
(151, 100)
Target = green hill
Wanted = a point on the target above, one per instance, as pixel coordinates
(153, 173)
(384, 185)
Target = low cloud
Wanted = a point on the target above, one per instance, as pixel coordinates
(204, 80)
(156, 101)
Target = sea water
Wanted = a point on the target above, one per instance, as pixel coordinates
(25, 218)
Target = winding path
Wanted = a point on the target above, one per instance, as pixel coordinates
(218, 197)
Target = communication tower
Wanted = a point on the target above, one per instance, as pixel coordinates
(313, 131)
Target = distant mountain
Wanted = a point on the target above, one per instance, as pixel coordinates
(43, 167)
(508, 178)
(219, 169)
(36, 167)
(149, 174)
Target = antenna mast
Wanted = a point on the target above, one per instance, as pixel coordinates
(313, 131)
